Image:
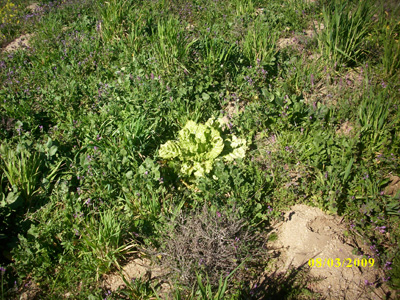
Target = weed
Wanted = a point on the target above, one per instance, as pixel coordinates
(342, 39)
(211, 242)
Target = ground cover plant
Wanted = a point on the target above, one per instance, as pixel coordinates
(138, 128)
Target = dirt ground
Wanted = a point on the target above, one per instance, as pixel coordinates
(308, 238)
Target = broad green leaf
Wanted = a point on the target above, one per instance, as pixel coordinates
(205, 96)
(129, 174)
(53, 150)
(169, 150)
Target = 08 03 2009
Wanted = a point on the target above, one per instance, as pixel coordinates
(337, 262)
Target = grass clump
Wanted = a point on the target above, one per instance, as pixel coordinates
(346, 26)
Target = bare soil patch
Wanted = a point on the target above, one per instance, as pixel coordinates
(21, 42)
(138, 268)
(308, 233)
(346, 129)
(299, 41)
(34, 7)
(31, 291)
(393, 189)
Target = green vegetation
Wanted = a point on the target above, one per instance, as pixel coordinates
(199, 146)
(115, 105)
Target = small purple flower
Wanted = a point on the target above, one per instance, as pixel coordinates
(385, 279)
(146, 173)
(98, 26)
(3, 270)
(87, 202)
(382, 229)
(367, 283)
(218, 214)
(388, 265)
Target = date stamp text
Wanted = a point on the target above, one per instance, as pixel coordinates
(337, 262)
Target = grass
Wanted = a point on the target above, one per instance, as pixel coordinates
(85, 109)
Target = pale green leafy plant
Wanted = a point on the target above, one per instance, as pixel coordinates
(199, 146)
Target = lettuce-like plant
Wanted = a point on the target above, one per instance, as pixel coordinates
(199, 146)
